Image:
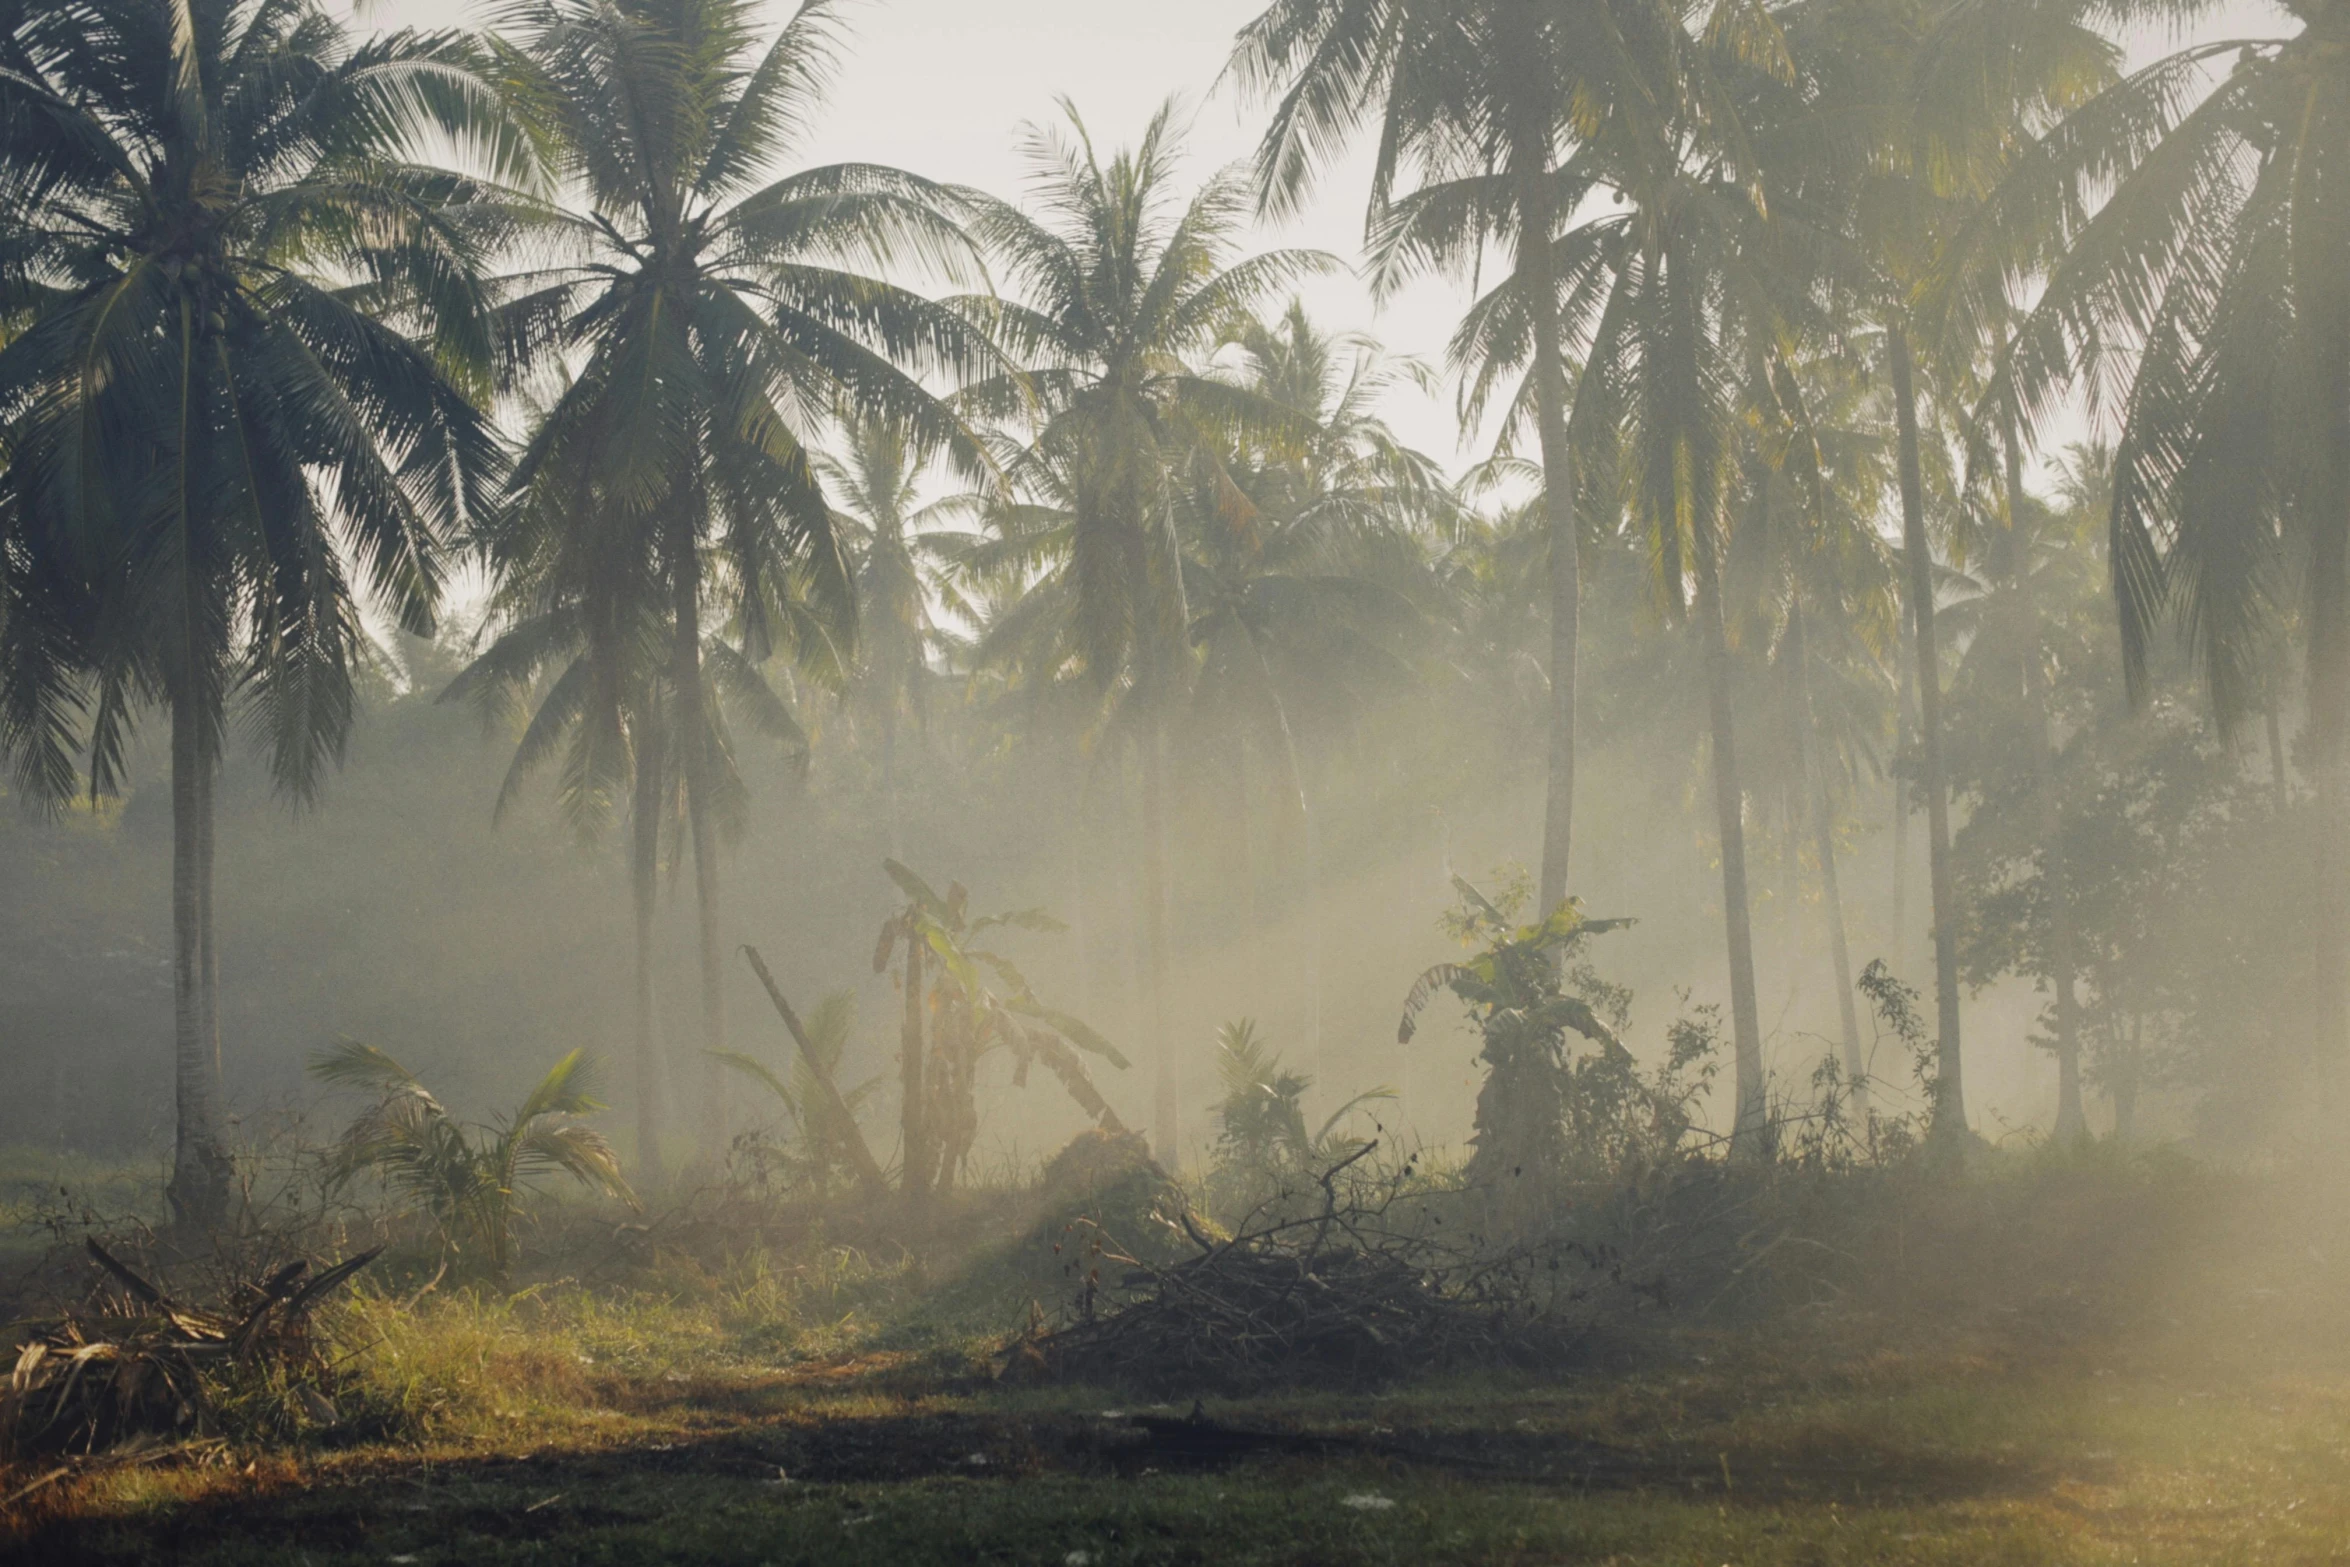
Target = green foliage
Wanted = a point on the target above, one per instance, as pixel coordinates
(1543, 1115)
(472, 1181)
(821, 1150)
(973, 1002)
(1263, 1149)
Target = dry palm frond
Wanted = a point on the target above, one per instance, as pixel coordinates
(142, 1365)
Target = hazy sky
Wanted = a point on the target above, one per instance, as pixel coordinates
(941, 87)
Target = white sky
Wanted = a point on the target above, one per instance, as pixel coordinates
(941, 87)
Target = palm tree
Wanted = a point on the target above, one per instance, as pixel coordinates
(1913, 111)
(875, 485)
(705, 304)
(2214, 252)
(593, 696)
(2029, 670)
(1683, 297)
(1114, 296)
(1484, 100)
(1808, 549)
(1305, 573)
(471, 1180)
(220, 237)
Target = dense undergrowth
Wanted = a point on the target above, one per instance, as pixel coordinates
(2036, 1251)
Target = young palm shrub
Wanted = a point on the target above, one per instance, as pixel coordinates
(823, 1146)
(1262, 1146)
(471, 1179)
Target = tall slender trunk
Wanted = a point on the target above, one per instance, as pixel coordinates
(1077, 838)
(913, 1087)
(201, 1174)
(889, 774)
(644, 871)
(1950, 1088)
(1294, 775)
(1166, 1118)
(1902, 732)
(693, 734)
(1751, 1130)
(1814, 774)
(207, 924)
(2329, 694)
(1538, 263)
(2072, 1123)
(2123, 1085)
(2279, 786)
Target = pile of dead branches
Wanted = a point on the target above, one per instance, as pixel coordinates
(135, 1364)
(1356, 1293)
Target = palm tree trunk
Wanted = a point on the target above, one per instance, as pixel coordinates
(1823, 828)
(1166, 1119)
(913, 1081)
(207, 925)
(1901, 740)
(2072, 1124)
(2329, 706)
(1294, 775)
(1078, 839)
(2279, 787)
(201, 1174)
(1950, 1088)
(693, 732)
(889, 774)
(1537, 262)
(644, 870)
(1750, 1132)
(2123, 1082)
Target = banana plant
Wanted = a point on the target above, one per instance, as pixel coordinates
(1516, 991)
(471, 1179)
(963, 1003)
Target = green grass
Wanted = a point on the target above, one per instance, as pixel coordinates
(822, 1404)
(1893, 1464)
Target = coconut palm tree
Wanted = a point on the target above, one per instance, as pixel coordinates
(592, 698)
(875, 483)
(1816, 583)
(237, 404)
(2035, 665)
(1683, 300)
(1114, 297)
(711, 311)
(1305, 573)
(1483, 101)
(2214, 252)
(1912, 112)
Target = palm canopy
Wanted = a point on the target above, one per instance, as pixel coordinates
(897, 542)
(220, 239)
(1482, 100)
(2204, 303)
(1304, 564)
(1118, 296)
(716, 314)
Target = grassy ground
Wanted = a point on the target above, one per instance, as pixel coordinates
(820, 1406)
(1737, 1456)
